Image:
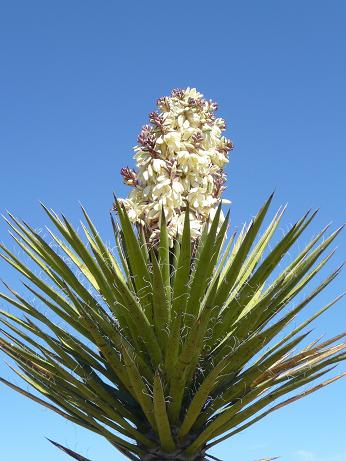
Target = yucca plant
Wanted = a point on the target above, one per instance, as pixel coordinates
(178, 340)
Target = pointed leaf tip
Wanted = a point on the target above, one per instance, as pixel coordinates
(69, 452)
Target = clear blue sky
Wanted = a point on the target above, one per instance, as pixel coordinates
(77, 81)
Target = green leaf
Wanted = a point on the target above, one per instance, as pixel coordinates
(164, 257)
(160, 304)
(161, 417)
(138, 267)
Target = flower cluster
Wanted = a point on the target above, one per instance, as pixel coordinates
(180, 158)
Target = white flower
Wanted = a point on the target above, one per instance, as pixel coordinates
(132, 209)
(172, 140)
(178, 225)
(177, 186)
(158, 165)
(180, 158)
(161, 188)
